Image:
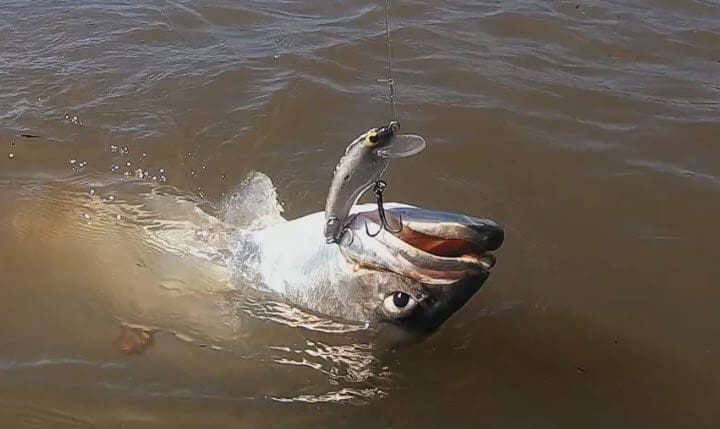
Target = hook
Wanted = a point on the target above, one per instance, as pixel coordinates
(378, 190)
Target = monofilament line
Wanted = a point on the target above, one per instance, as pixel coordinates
(390, 81)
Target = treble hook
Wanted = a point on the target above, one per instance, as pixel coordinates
(378, 190)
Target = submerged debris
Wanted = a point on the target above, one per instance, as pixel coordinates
(132, 340)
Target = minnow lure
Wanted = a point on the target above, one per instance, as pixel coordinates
(365, 160)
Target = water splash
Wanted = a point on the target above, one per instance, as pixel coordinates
(253, 205)
(360, 396)
(294, 317)
(73, 119)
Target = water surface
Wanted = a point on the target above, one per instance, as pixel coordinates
(587, 129)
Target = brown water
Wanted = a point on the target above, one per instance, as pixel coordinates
(587, 129)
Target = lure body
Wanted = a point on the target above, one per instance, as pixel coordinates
(365, 160)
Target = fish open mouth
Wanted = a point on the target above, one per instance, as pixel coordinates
(432, 247)
(448, 247)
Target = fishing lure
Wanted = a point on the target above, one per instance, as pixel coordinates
(365, 160)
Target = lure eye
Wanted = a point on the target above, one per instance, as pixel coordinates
(372, 138)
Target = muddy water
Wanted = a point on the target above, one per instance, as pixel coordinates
(587, 129)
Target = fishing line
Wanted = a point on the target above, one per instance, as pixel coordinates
(389, 81)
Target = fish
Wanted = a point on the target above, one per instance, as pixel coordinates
(413, 280)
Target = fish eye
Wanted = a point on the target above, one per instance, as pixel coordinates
(399, 304)
(401, 299)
